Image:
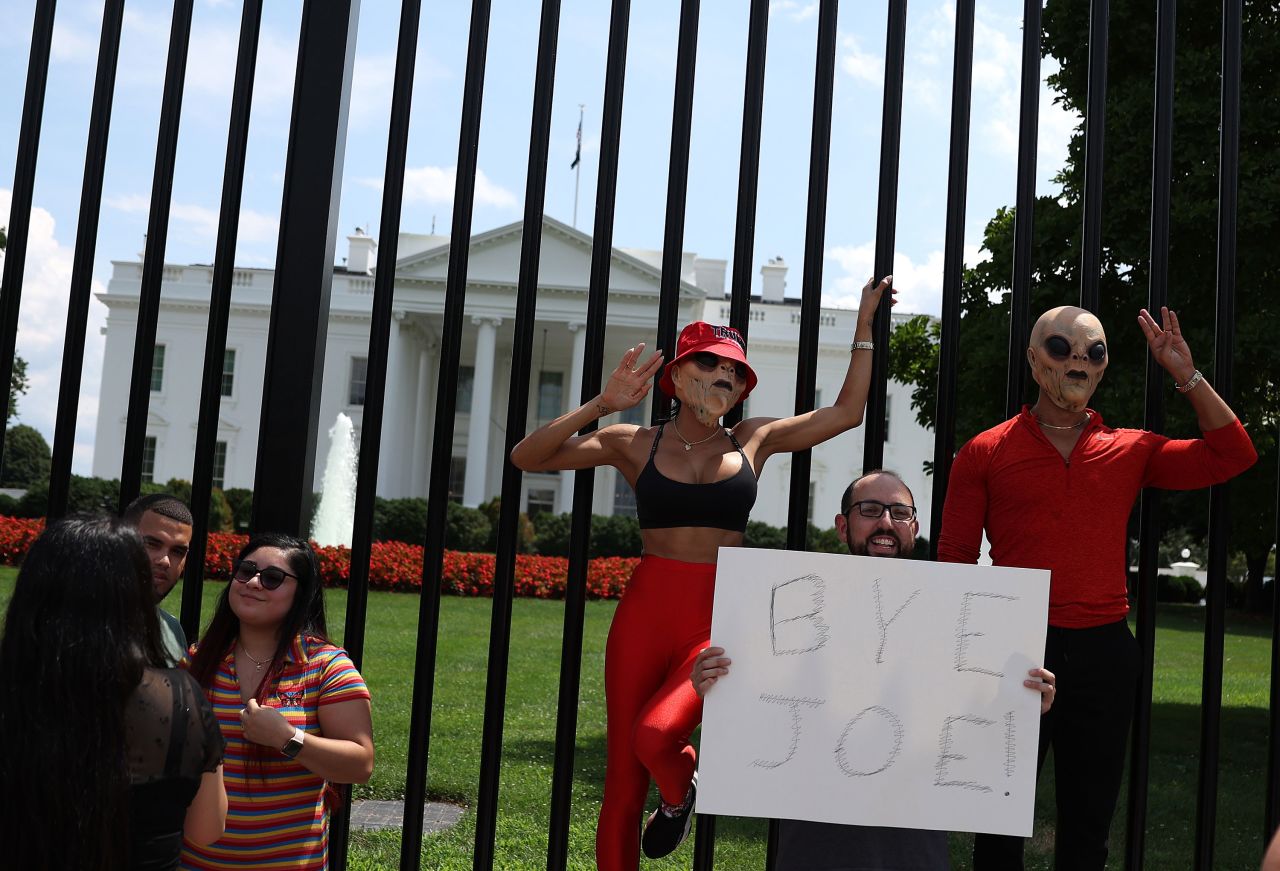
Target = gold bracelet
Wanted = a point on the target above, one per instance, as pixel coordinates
(862, 346)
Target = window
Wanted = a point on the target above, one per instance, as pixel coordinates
(888, 405)
(355, 384)
(540, 501)
(813, 495)
(457, 478)
(624, 498)
(550, 395)
(149, 458)
(219, 464)
(157, 369)
(228, 371)
(466, 380)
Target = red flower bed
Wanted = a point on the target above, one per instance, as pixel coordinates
(394, 565)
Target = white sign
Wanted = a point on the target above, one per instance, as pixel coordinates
(874, 691)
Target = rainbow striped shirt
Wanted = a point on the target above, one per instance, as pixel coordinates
(276, 815)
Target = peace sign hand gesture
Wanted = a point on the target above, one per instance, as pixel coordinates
(1167, 345)
(629, 384)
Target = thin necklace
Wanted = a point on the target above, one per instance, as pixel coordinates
(1055, 426)
(260, 663)
(688, 445)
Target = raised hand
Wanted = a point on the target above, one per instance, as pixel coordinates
(871, 293)
(629, 383)
(1167, 344)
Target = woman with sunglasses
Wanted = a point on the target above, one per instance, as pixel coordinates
(293, 710)
(109, 754)
(695, 484)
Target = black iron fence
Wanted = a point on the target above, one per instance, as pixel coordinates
(300, 309)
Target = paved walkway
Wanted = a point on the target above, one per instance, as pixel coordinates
(436, 816)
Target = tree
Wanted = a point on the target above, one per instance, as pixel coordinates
(18, 379)
(27, 457)
(1193, 248)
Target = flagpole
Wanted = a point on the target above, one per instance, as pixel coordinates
(577, 164)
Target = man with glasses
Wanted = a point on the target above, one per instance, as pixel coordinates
(1053, 489)
(877, 518)
(164, 522)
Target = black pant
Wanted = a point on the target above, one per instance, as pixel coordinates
(1088, 728)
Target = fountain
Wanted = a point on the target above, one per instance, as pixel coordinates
(333, 519)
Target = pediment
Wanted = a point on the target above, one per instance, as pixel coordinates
(564, 263)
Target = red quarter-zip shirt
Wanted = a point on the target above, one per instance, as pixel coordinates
(1071, 516)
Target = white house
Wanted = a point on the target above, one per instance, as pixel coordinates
(555, 382)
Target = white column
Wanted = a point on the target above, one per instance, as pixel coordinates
(390, 456)
(422, 426)
(579, 331)
(481, 410)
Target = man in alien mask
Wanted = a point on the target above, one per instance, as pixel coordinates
(1053, 489)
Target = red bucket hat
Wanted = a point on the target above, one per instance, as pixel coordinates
(701, 336)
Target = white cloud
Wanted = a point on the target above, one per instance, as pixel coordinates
(41, 330)
(435, 184)
(201, 220)
(859, 64)
(71, 44)
(793, 10)
(919, 285)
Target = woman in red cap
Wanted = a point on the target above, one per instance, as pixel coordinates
(694, 490)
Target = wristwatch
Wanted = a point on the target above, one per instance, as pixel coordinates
(294, 745)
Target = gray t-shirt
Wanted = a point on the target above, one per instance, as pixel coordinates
(172, 637)
(810, 846)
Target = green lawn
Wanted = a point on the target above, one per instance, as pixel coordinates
(529, 734)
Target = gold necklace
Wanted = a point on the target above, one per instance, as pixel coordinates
(260, 663)
(688, 445)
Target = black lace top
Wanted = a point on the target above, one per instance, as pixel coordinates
(172, 738)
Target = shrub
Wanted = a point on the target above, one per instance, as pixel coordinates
(551, 534)
(617, 535)
(8, 505)
(524, 527)
(27, 457)
(400, 519)
(240, 501)
(467, 529)
(763, 535)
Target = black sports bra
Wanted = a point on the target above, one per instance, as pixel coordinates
(662, 503)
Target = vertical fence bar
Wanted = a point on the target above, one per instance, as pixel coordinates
(517, 422)
(1095, 128)
(95, 159)
(584, 479)
(1219, 504)
(144, 343)
(1153, 420)
(874, 424)
(1272, 819)
(1024, 208)
(677, 188)
(384, 282)
(304, 267)
(814, 241)
(24, 183)
(442, 441)
(944, 437)
(215, 343)
(749, 168)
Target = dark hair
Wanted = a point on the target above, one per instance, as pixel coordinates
(81, 628)
(305, 616)
(164, 504)
(846, 501)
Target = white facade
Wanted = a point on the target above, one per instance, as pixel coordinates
(413, 367)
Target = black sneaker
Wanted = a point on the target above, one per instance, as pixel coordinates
(664, 832)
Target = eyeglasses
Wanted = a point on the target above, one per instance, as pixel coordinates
(270, 577)
(1060, 349)
(711, 362)
(874, 510)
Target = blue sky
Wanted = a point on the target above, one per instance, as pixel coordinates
(504, 138)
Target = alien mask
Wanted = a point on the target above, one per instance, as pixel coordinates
(1067, 355)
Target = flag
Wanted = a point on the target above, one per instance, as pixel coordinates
(577, 156)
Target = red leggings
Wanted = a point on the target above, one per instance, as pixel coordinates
(662, 622)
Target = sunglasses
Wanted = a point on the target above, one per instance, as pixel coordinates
(270, 577)
(1060, 349)
(898, 511)
(711, 362)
